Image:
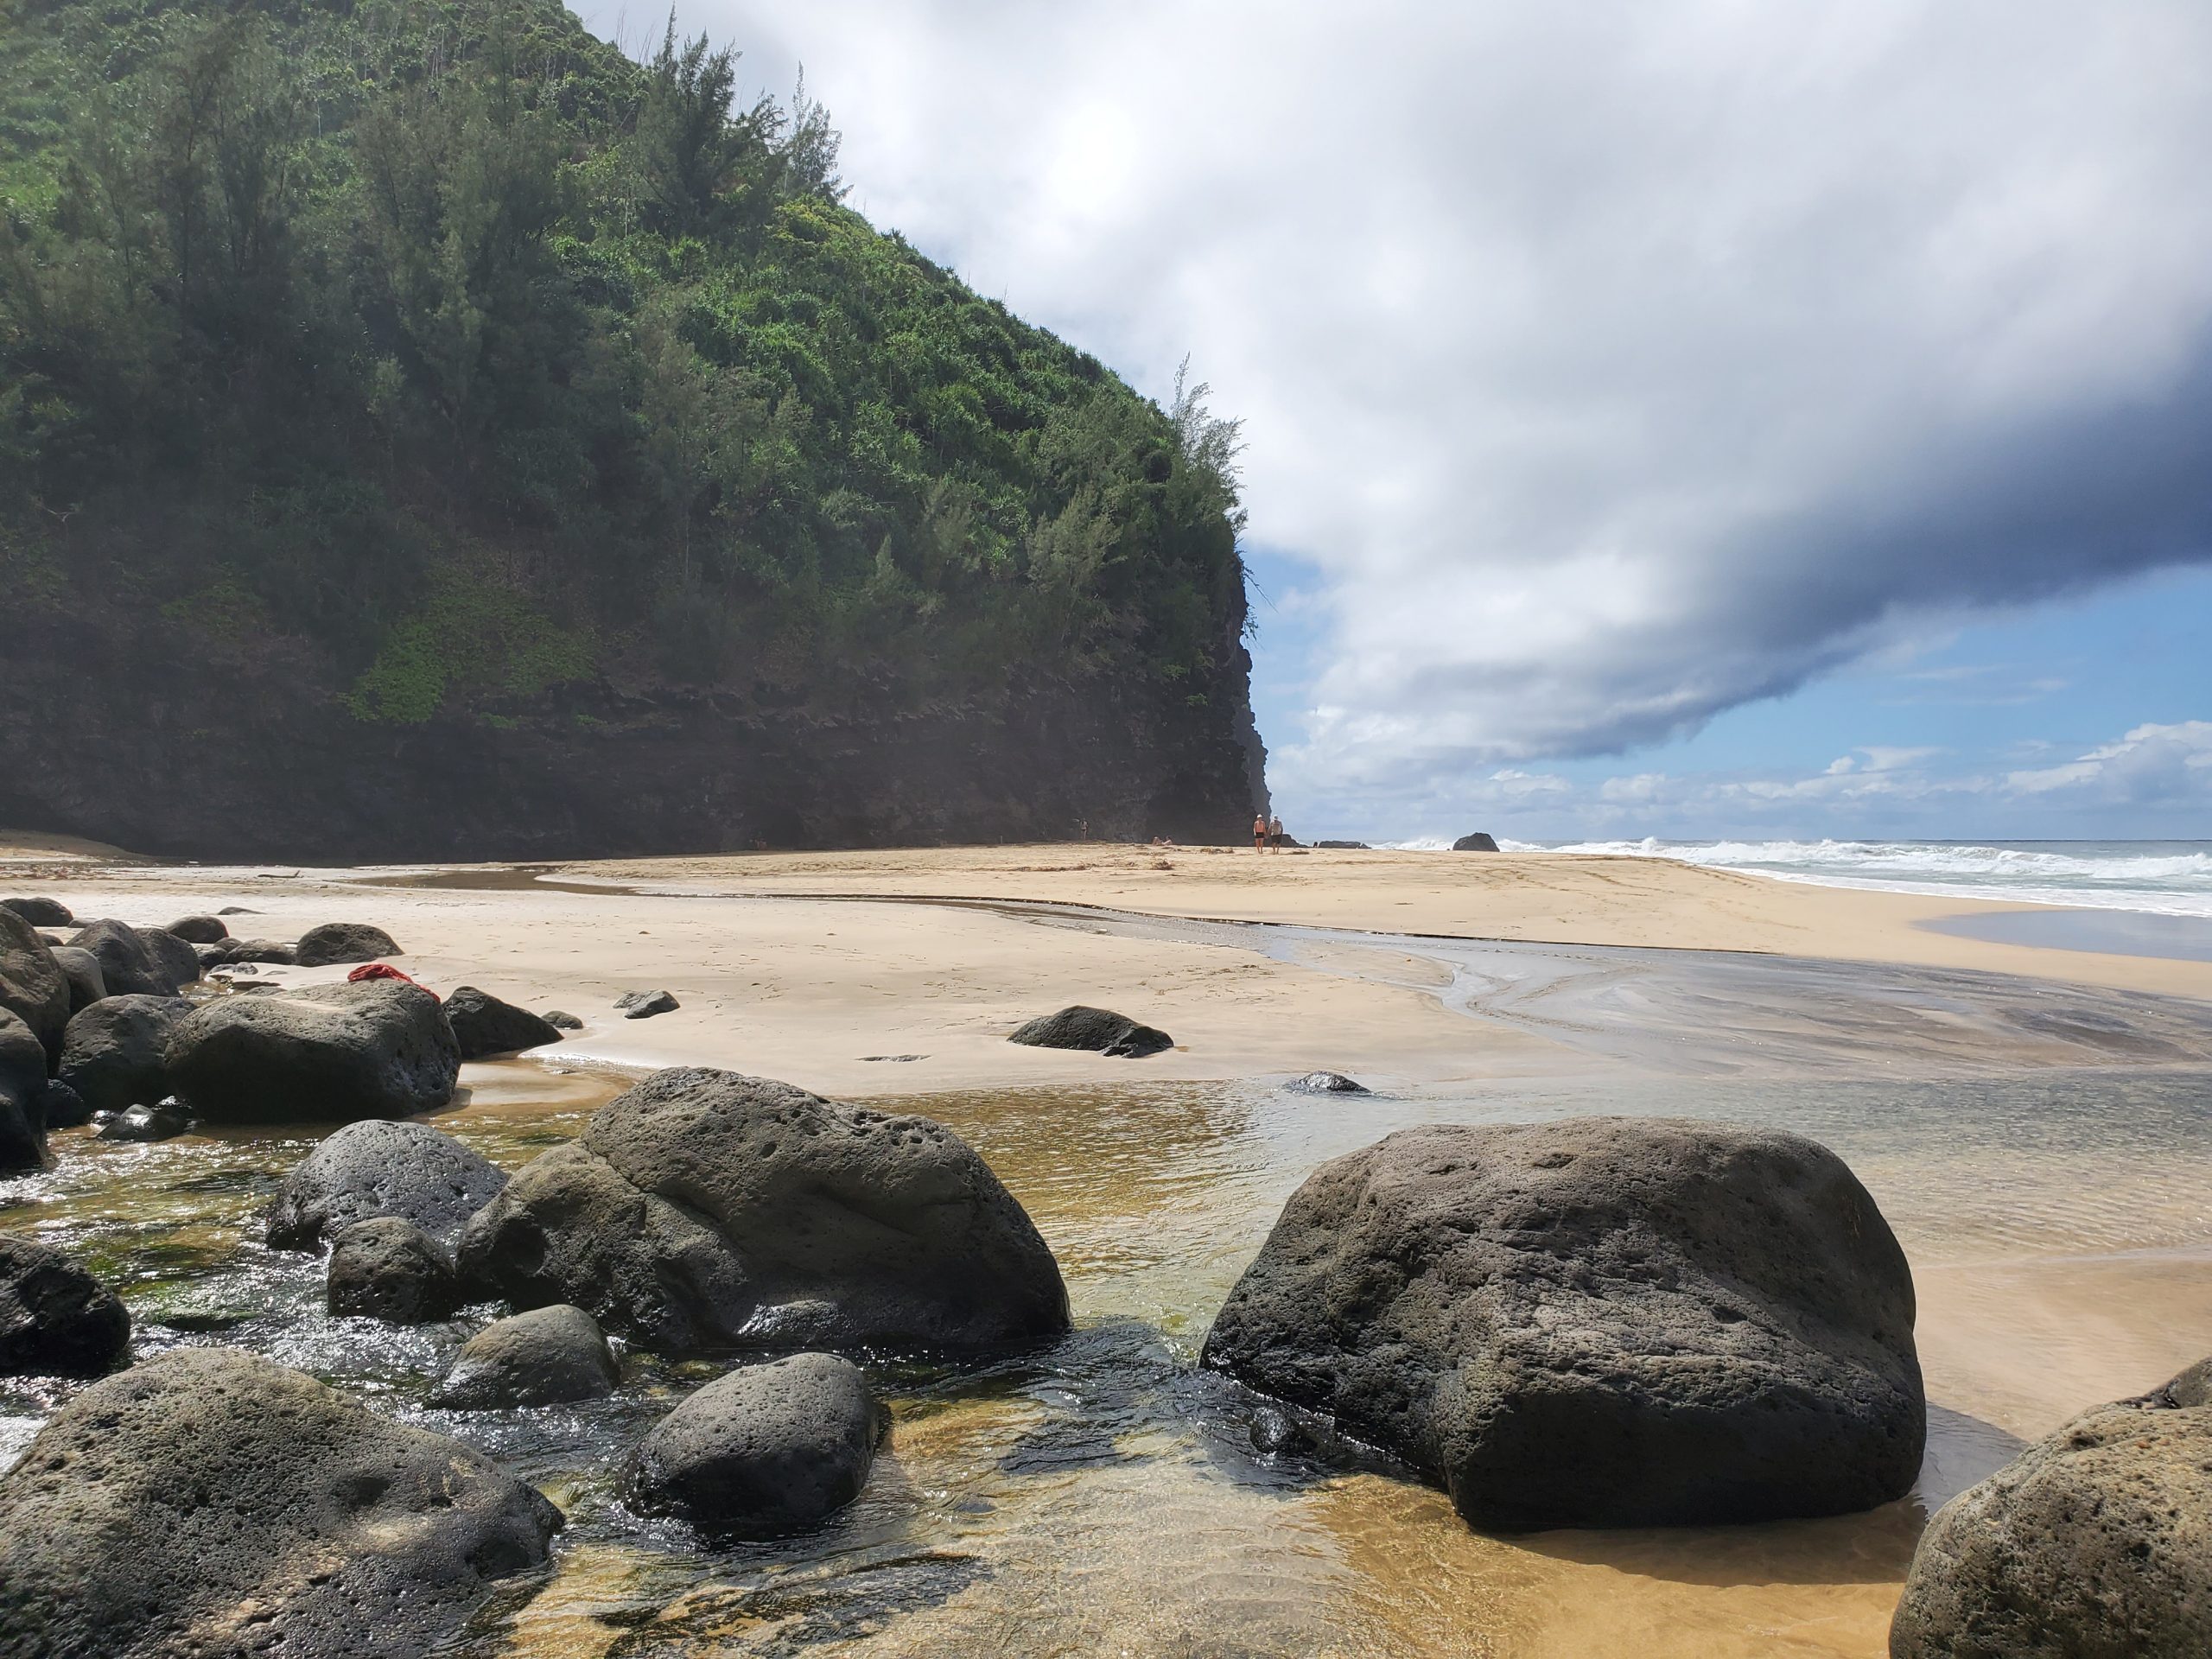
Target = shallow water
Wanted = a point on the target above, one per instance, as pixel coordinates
(1105, 1495)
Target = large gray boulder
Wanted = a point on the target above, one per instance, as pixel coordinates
(138, 961)
(334, 943)
(390, 1269)
(82, 969)
(1099, 1030)
(211, 1502)
(115, 1054)
(55, 1319)
(764, 1450)
(375, 1168)
(1600, 1322)
(548, 1357)
(2093, 1543)
(1481, 842)
(377, 1049)
(198, 930)
(32, 987)
(704, 1209)
(39, 913)
(485, 1026)
(23, 1097)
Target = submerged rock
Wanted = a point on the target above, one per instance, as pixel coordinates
(115, 1052)
(198, 930)
(378, 1048)
(766, 1450)
(705, 1210)
(32, 985)
(483, 1024)
(139, 961)
(389, 1268)
(334, 943)
(2094, 1540)
(163, 1121)
(1327, 1082)
(1477, 842)
(81, 968)
(39, 913)
(643, 1005)
(23, 1096)
(55, 1319)
(1598, 1322)
(211, 1502)
(376, 1167)
(1099, 1030)
(547, 1356)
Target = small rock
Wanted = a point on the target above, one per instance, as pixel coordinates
(643, 1005)
(198, 930)
(55, 1319)
(375, 1168)
(82, 969)
(1327, 1082)
(1275, 1430)
(547, 1356)
(561, 1021)
(1343, 846)
(1098, 1030)
(115, 1052)
(62, 1106)
(163, 1122)
(1477, 842)
(484, 1025)
(389, 1268)
(764, 1450)
(237, 910)
(39, 913)
(342, 942)
(237, 969)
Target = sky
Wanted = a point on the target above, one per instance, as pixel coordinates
(1730, 417)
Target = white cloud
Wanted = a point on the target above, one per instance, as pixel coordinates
(2150, 763)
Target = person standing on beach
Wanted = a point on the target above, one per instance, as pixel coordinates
(1274, 836)
(1259, 832)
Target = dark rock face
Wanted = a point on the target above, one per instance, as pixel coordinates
(547, 1356)
(643, 1005)
(1477, 842)
(82, 969)
(198, 930)
(62, 1106)
(377, 1049)
(139, 961)
(1098, 1030)
(1600, 1322)
(55, 1319)
(388, 1268)
(561, 1021)
(373, 1168)
(163, 1121)
(32, 985)
(483, 1024)
(115, 1052)
(705, 1210)
(211, 1502)
(766, 1450)
(23, 1097)
(1327, 1082)
(39, 913)
(334, 943)
(2093, 1541)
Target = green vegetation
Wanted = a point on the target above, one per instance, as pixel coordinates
(444, 338)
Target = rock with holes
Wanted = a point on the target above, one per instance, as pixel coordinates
(485, 1026)
(2097, 1540)
(380, 1048)
(335, 943)
(378, 1168)
(138, 961)
(1598, 1322)
(32, 985)
(764, 1450)
(388, 1268)
(81, 968)
(548, 1357)
(1098, 1030)
(115, 1053)
(55, 1319)
(23, 1097)
(211, 1502)
(704, 1209)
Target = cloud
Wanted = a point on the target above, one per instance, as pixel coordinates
(2152, 764)
(1613, 365)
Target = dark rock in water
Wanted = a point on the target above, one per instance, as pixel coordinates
(32, 985)
(163, 1121)
(643, 1005)
(341, 942)
(380, 1048)
(1598, 1322)
(705, 1210)
(561, 1021)
(210, 956)
(55, 1320)
(377, 1168)
(2092, 1540)
(39, 913)
(1327, 1082)
(235, 969)
(1343, 847)
(1098, 1030)
(483, 1024)
(1275, 1429)
(115, 1052)
(23, 1097)
(211, 1502)
(390, 1269)
(766, 1450)
(82, 970)
(139, 961)
(198, 930)
(547, 1356)
(1477, 842)
(62, 1106)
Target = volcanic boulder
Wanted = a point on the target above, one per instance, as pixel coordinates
(39, 913)
(198, 930)
(389, 1268)
(484, 1025)
(23, 1096)
(210, 1501)
(32, 987)
(334, 943)
(1598, 1322)
(705, 1210)
(82, 969)
(163, 1121)
(138, 961)
(644, 1005)
(115, 1054)
(2094, 1540)
(380, 1048)
(62, 1106)
(55, 1319)
(1099, 1030)
(1327, 1082)
(547, 1356)
(375, 1168)
(767, 1449)
(1477, 842)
